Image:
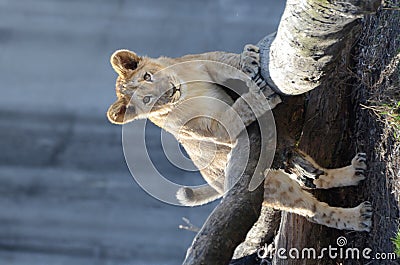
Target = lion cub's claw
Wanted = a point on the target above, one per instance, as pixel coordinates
(359, 163)
(365, 216)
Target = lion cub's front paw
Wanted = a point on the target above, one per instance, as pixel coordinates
(359, 162)
(358, 218)
(250, 59)
(250, 64)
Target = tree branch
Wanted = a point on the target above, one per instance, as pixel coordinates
(262, 233)
(309, 39)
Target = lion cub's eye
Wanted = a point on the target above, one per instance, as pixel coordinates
(146, 99)
(147, 77)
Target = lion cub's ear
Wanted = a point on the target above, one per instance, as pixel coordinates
(124, 61)
(116, 112)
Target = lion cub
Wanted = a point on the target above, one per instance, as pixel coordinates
(187, 97)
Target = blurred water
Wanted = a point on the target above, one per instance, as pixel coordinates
(66, 195)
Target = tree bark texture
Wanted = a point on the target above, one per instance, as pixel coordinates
(336, 127)
(310, 52)
(309, 41)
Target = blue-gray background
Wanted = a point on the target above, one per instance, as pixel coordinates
(66, 194)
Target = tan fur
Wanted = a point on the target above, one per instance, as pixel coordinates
(206, 140)
(179, 105)
(181, 75)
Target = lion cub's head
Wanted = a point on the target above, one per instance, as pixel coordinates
(144, 88)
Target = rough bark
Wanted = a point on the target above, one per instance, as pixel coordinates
(336, 127)
(261, 234)
(310, 38)
(311, 51)
(325, 136)
(377, 75)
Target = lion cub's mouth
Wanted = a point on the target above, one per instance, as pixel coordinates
(176, 92)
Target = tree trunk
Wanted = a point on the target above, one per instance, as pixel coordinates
(336, 127)
(325, 137)
(315, 50)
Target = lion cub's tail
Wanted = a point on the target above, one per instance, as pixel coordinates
(197, 196)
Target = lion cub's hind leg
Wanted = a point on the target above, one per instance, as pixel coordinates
(309, 174)
(284, 193)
